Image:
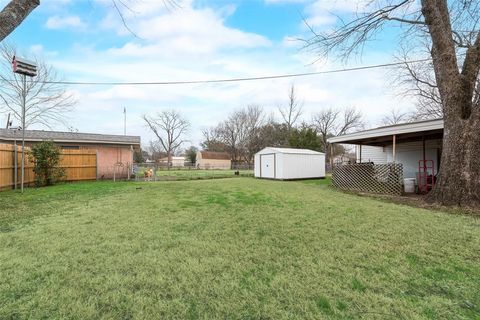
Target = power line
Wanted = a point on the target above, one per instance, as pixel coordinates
(291, 75)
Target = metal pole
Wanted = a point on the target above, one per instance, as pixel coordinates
(15, 159)
(23, 128)
(124, 121)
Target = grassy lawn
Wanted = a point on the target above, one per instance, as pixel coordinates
(231, 248)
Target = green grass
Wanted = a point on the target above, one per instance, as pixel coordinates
(231, 248)
(177, 174)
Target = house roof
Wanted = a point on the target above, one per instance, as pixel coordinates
(173, 158)
(215, 155)
(69, 137)
(288, 150)
(411, 131)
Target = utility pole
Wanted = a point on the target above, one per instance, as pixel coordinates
(124, 121)
(24, 98)
(24, 68)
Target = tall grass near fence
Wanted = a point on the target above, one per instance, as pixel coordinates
(78, 164)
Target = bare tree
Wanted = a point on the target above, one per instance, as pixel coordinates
(212, 140)
(395, 116)
(326, 122)
(46, 103)
(334, 122)
(254, 120)
(417, 80)
(155, 151)
(13, 14)
(239, 133)
(452, 27)
(293, 110)
(169, 126)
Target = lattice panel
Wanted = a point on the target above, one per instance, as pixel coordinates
(369, 177)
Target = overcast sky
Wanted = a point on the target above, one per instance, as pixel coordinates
(86, 41)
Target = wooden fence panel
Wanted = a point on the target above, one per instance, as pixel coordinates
(7, 167)
(78, 165)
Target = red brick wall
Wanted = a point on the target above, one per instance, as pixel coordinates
(108, 157)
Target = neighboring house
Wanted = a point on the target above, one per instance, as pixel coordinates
(289, 164)
(114, 152)
(344, 159)
(213, 160)
(174, 162)
(407, 144)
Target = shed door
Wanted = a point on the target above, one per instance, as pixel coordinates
(267, 165)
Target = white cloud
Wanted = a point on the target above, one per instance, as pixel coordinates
(57, 22)
(196, 44)
(187, 30)
(322, 13)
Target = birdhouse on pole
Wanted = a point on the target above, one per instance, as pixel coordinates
(23, 66)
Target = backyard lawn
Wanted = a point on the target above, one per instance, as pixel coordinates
(161, 174)
(235, 248)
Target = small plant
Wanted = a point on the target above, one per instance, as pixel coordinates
(46, 158)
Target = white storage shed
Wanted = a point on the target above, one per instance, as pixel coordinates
(289, 164)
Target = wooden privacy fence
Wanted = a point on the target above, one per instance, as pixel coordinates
(369, 177)
(78, 165)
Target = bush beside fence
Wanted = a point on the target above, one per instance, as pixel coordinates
(78, 164)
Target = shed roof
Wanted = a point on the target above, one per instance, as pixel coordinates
(215, 155)
(411, 131)
(69, 137)
(288, 150)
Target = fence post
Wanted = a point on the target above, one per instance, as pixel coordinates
(96, 163)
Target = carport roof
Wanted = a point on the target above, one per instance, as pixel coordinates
(405, 132)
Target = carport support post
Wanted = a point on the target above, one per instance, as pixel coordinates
(424, 155)
(394, 147)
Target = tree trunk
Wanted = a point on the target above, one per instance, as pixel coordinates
(169, 159)
(13, 14)
(459, 179)
(459, 174)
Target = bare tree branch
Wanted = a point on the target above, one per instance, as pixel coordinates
(395, 116)
(47, 103)
(332, 122)
(13, 14)
(293, 110)
(169, 126)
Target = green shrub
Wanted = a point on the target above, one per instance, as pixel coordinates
(46, 158)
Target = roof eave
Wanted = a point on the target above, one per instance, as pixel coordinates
(74, 141)
(420, 127)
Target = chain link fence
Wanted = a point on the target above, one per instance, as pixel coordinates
(162, 172)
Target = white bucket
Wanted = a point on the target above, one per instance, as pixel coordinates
(409, 185)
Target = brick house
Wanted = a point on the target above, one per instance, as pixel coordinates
(114, 152)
